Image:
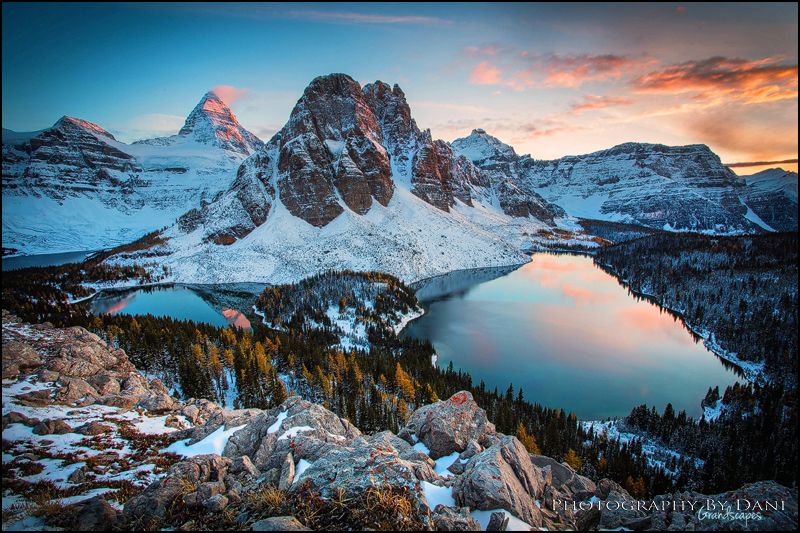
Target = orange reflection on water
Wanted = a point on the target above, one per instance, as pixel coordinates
(236, 318)
(119, 305)
(583, 296)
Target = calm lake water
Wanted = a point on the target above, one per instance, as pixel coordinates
(218, 305)
(570, 335)
(24, 261)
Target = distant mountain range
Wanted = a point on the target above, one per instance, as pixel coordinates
(352, 182)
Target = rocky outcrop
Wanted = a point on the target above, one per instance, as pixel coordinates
(449, 426)
(502, 476)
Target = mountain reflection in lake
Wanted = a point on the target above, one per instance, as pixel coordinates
(569, 335)
(214, 305)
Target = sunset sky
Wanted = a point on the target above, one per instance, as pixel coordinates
(548, 79)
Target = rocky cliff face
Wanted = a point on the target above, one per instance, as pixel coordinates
(449, 468)
(74, 156)
(345, 147)
(75, 187)
(665, 187)
(772, 196)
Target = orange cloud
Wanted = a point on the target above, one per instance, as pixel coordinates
(723, 78)
(591, 102)
(486, 74)
(229, 94)
(556, 70)
(572, 71)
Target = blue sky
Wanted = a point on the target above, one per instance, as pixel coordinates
(549, 79)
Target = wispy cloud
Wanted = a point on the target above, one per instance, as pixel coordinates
(761, 163)
(556, 70)
(723, 78)
(229, 94)
(472, 108)
(591, 102)
(486, 74)
(361, 18)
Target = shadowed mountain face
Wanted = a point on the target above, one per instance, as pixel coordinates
(664, 187)
(772, 195)
(345, 147)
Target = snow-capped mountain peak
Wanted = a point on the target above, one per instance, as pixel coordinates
(212, 122)
(69, 124)
(480, 146)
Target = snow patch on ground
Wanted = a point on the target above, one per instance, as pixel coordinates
(213, 443)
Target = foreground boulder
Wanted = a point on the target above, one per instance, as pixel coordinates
(502, 476)
(447, 427)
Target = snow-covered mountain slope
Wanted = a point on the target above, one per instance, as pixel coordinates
(665, 187)
(771, 196)
(349, 183)
(75, 187)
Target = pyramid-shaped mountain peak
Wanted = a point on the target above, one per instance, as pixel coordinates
(212, 122)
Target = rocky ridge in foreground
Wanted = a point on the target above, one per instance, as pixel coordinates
(105, 443)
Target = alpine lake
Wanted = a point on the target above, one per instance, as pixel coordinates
(562, 329)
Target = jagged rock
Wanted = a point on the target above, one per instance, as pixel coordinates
(223, 418)
(93, 428)
(191, 500)
(287, 473)
(74, 389)
(134, 384)
(563, 477)
(353, 470)
(95, 515)
(123, 401)
(154, 502)
(77, 476)
(48, 376)
(497, 522)
(216, 503)
(52, 426)
(447, 427)
(244, 464)
(456, 468)
(502, 476)
(19, 418)
(407, 452)
(190, 412)
(19, 357)
(267, 449)
(472, 448)
(454, 519)
(210, 489)
(279, 523)
(589, 519)
(173, 422)
(619, 508)
(104, 383)
(157, 387)
(157, 404)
